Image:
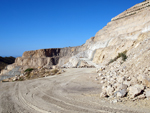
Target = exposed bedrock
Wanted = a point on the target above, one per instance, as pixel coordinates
(119, 35)
(40, 58)
(45, 57)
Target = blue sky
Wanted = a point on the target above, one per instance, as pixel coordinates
(37, 24)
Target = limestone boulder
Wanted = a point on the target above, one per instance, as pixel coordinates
(134, 80)
(120, 79)
(128, 83)
(104, 91)
(122, 86)
(147, 93)
(110, 90)
(135, 90)
(121, 93)
(146, 81)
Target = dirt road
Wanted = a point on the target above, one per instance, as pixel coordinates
(74, 91)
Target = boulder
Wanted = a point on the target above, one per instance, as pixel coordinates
(122, 86)
(128, 83)
(121, 93)
(6, 80)
(141, 96)
(100, 74)
(103, 94)
(134, 80)
(120, 79)
(102, 78)
(114, 101)
(110, 90)
(54, 67)
(135, 90)
(102, 82)
(147, 93)
(146, 81)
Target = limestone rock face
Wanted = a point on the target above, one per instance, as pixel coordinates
(45, 57)
(128, 24)
(53, 52)
(36, 62)
(122, 32)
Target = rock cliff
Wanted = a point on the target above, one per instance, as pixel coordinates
(45, 57)
(122, 33)
(40, 58)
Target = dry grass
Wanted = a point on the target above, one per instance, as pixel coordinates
(54, 71)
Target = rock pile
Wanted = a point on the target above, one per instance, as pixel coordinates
(118, 82)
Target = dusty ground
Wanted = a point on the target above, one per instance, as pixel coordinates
(74, 91)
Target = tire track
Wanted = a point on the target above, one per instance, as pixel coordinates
(64, 93)
(76, 105)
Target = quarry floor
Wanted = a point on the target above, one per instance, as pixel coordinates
(75, 91)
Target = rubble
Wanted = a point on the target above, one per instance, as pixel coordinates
(119, 81)
(32, 73)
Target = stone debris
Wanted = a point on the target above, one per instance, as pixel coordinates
(32, 73)
(116, 84)
(113, 101)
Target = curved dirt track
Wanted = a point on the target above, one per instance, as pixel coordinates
(74, 91)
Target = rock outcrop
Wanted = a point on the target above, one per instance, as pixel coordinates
(122, 33)
(45, 57)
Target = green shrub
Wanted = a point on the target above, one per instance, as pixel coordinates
(111, 61)
(123, 55)
(29, 70)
